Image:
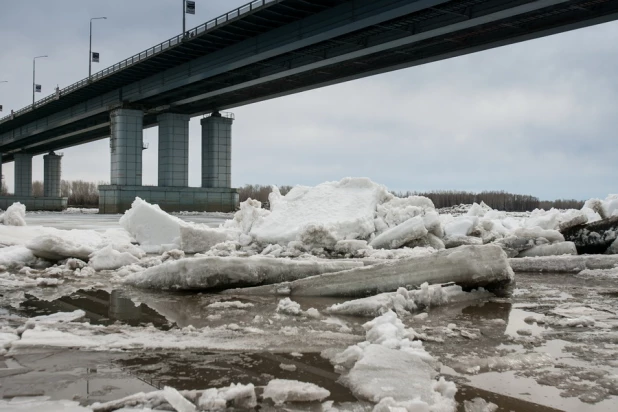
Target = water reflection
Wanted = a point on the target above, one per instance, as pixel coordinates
(101, 307)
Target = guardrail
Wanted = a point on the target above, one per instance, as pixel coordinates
(227, 115)
(153, 51)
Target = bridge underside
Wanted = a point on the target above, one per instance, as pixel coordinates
(288, 47)
(404, 42)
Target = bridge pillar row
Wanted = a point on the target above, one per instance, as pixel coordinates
(52, 173)
(217, 151)
(173, 150)
(126, 144)
(23, 175)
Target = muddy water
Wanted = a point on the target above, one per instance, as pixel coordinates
(491, 349)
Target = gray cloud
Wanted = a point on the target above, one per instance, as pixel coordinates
(536, 117)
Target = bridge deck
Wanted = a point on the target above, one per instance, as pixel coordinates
(287, 46)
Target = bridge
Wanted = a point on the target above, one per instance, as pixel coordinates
(263, 50)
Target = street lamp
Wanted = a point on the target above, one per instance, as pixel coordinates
(90, 51)
(188, 7)
(34, 76)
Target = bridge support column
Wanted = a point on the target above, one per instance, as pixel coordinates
(51, 199)
(173, 150)
(23, 175)
(217, 151)
(126, 143)
(173, 193)
(52, 173)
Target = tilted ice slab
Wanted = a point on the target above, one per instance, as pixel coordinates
(16, 255)
(285, 390)
(154, 229)
(216, 272)
(41, 403)
(55, 244)
(467, 266)
(157, 231)
(557, 249)
(565, 263)
(407, 300)
(224, 338)
(411, 229)
(236, 396)
(346, 208)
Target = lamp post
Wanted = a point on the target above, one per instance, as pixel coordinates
(90, 49)
(34, 76)
(188, 7)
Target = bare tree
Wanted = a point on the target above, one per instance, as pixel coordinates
(5, 189)
(37, 188)
(260, 192)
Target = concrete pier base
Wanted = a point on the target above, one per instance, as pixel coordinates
(52, 174)
(23, 175)
(51, 204)
(118, 199)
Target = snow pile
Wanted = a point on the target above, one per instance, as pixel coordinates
(356, 217)
(407, 301)
(284, 390)
(15, 215)
(393, 370)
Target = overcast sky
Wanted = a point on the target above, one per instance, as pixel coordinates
(537, 118)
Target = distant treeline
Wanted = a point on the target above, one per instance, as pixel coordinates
(499, 200)
(79, 192)
(86, 194)
(260, 192)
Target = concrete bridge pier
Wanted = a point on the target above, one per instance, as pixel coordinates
(173, 193)
(51, 199)
(52, 174)
(126, 144)
(173, 150)
(23, 175)
(217, 150)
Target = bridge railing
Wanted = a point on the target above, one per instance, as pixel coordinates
(173, 42)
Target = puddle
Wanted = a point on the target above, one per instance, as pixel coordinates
(478, 330)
